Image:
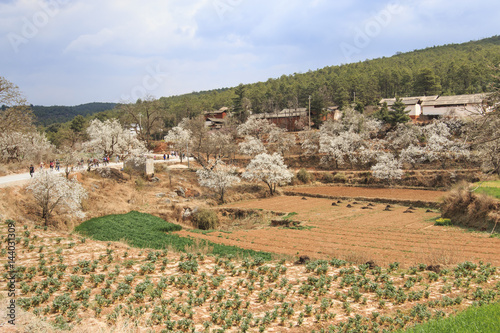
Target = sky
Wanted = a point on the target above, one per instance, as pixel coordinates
(70, 52)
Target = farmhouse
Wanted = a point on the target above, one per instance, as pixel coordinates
(461, 105)
(430, 107)
(215, 119)
(413, 104)
(286, 118)
(333, 113)
(217, 114)
(215, 123)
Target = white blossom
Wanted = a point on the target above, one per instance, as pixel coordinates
(387, 167)
(255, 127)
(342, 148)
(110, 138)
(270, 169)
(413, 155)
(403, 136)
(51, 190)
(179, 137)
(18, 146)
(251, 146)
(218, 177)
(309, 142)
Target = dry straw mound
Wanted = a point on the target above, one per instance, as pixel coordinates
(470, 210)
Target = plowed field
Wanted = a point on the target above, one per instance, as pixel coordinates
(369, 192)
(359, 235)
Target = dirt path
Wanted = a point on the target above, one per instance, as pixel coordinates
(22, 178)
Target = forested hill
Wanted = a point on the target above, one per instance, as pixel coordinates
(446, 70)
(46, 115)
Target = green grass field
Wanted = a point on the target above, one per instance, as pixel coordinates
(491, 188)
(491, 191)
(147, 231)
(484, 319)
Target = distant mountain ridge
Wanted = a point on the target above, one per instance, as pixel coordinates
(46, 115)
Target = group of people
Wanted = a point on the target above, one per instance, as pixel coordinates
(53, 165)
(167, 155)
(56, 165)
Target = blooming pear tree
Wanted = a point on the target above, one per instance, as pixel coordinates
(343, 142)
(218, 177)
(387, 167)
(179, 137)
(252, 146)
(19, 146)
(270, 169)
(403, 136)
(413, 154)
(342, 148)
(256, 128)
(51, 190)
(441, 145)
(309, 142)
(110, 138)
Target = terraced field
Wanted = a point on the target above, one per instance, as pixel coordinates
(365, 231)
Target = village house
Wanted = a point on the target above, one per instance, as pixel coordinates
(413, 104)
(431, 107)
(286, 118)
(215, 119)
(460, 105)
(217, 114)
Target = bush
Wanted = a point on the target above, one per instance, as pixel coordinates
(469, 209)
(340, 177)
(304, 176)
(206, 219)
(443, 222)
(328, 178)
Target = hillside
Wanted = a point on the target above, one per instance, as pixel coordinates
(446, 70)
(46, 115)
(452, 69)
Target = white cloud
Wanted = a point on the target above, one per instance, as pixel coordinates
(89, 43)
(98, 50)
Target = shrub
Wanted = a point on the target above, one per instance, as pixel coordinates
(443, 222)
(340, 177)
(469, 209)
(206, 219)
(304, 176)
(328, 178)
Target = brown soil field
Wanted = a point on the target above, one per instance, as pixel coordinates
(369, 192)
(360, 234)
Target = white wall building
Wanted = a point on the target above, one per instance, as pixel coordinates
(460, 105)
(438, 106)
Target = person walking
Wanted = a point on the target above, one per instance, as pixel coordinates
(58, 165)
(32, 170)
